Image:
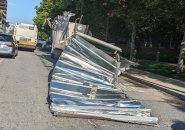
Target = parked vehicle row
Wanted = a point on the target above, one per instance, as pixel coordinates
(24, 37)
(8, 45)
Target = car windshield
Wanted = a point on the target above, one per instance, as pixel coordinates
(5, 38)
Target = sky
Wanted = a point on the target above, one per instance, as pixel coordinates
(21, 11)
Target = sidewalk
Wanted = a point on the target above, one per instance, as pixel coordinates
(168, 85)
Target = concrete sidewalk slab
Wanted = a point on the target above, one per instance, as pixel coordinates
(168, 85)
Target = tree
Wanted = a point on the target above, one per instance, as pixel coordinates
(43, 12)
(180, 18)
(180, 65)
(133, 12)
(138, 19)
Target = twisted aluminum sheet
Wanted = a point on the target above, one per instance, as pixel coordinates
(84, 84)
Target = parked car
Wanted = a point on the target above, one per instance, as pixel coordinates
(47, 46)
(40, 42)
(8, 45)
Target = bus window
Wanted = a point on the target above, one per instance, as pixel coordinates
(31, 28)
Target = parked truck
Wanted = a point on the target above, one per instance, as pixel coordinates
(26, 36)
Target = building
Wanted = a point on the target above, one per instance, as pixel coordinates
(10, 29)
(3, 13)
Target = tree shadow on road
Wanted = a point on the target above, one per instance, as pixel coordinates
(48, 58)
(178, 125)
(181, 108)
(49, 63)
(177, 103)
(49, 80)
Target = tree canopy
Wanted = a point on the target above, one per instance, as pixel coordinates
(157, 21)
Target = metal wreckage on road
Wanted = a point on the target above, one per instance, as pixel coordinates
(85, 81)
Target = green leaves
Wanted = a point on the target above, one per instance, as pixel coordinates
(149, 15)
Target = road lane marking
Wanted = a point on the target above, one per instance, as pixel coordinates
(1, 60)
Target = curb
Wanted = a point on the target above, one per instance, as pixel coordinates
(156, 86)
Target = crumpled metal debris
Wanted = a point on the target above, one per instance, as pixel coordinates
(85, 84)
(59, 28)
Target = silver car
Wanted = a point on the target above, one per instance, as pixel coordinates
(8, 46)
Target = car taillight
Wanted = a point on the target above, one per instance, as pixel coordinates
(9, 45)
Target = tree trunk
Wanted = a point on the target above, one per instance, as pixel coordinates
(180, 65)
(132, 43)
(171, 42)
(107, 30)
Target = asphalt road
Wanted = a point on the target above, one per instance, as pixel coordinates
(24, 104)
